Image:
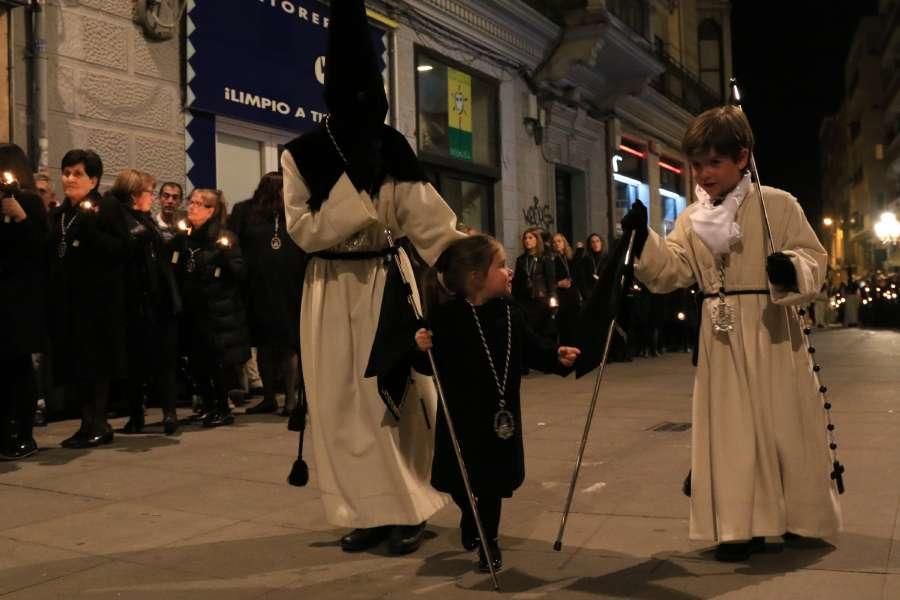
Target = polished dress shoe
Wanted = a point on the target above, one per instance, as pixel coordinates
(75, 439)
(19, 450)
(739, 551)
(93, 440)
(218, 418)
(364, 538)
(170, 424)
(405, 539)
(496, 557)
(266, 406)
(134, 425)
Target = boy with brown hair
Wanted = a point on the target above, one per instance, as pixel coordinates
(760, 460)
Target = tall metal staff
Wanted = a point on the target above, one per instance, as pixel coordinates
(837, 473)
(442, 400)
(590, 416)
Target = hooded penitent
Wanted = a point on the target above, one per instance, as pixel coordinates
(367, 150)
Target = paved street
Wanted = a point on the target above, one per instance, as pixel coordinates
(208, 514)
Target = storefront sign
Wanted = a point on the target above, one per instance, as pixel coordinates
(459, 113)
(261, 60)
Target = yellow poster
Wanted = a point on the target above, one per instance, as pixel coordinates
(459, 113)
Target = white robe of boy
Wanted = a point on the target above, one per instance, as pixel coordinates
(371, 470)
(760, 459)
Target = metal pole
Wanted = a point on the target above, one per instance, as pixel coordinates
(442, 400)
(590, 416)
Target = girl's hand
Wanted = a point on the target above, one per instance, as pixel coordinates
(423, 340)
(11, 208)
(567, 355)
(564, 283)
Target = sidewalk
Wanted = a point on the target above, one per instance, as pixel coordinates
(207, 514)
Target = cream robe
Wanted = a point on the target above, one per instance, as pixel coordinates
(371, 470)
(760, 460)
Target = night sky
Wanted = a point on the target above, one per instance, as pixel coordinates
(789, 58)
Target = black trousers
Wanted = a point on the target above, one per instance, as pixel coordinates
(18, 399)
(488, 509)
(159, 384)
(212, 381)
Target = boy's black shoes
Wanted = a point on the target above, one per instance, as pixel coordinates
(496, 557)
(739, 551)
(365, 538)
(406, 538)
(19, 450)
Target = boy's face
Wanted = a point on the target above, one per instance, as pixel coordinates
(718, 174)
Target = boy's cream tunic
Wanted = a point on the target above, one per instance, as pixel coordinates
(760, 462)
(371, 470)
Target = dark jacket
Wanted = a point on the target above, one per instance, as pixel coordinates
(87, 312)
(587, 271)
(274, 280)
(152, 297)
(209, 276)
(23, 276)
(496, 466)
(534, 278)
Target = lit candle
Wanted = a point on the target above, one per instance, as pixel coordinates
(87, 205)
(223, 241)
(554, 303)
(10, 187)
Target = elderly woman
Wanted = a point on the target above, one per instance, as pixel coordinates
(210, 268)
(23, 229)
(152, 303)
(87, 328)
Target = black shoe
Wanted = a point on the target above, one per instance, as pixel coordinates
(134, 425)
(405, 539)
(94, 439)
(19, 450)
(218, 418)
(75, 439)
(363, 539)
(496, 557)
(740, 551)
(170, 424)
(266, 406)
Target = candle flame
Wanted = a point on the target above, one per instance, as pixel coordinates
(182, 225)
(87, 205)
(224, 242)
(8, 177)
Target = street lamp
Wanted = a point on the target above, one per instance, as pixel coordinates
(827, 221)
(887, 229)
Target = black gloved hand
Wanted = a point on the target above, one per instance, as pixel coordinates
(781, 271)
(636, 220)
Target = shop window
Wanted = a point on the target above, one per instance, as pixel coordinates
(457, 113)
(471, 198)
(709, 35)
(671, 192)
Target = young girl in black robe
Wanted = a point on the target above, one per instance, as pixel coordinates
(481, 345)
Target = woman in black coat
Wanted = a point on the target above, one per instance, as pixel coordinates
(534, 283)
(590, 266)
(272, 290)
(23, 265)
(152, 304)
(567, 294)
(210, 269)
(87, 333)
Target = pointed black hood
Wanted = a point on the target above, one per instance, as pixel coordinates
(354, 88)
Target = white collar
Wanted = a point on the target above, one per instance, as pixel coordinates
(716, 225)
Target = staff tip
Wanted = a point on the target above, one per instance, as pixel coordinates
(557, 546)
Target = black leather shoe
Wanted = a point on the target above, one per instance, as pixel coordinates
(134, 425)
(19, 450)
(93, 440)
(363, 539)
(739, 551)
(170, 424)
(406, 538)
(217, 418)
(74, 440)
(266, 406)
(496, 557)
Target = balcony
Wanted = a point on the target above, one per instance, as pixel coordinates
(683, 87)
(634, 14)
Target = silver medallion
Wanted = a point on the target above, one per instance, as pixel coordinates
(61, 248)
(723, 317)
(190, 265)
(504, 425)
(275, 243)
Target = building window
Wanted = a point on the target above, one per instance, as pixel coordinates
(709, 35)
(671, 192)
(630, 177)
(633, 13)
(470, 197)
(457, 113)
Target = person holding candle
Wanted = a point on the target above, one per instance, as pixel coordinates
(87, 328)
(534, 282)
(210, 268)
(152, 303)
(23, 229)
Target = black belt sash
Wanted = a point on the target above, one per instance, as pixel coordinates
(737, 293)
(700, 312)
(353, 255)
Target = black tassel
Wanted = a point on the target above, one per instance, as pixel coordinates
(299, 475)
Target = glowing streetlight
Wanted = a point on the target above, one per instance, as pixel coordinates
(827, 221)
(887, 229)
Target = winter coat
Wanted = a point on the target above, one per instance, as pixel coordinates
(152, 297)
(214, 324)
(274, 282)
(496, 466)
(87, 295)
(534, 278)
(587, 267)
(23, 277)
